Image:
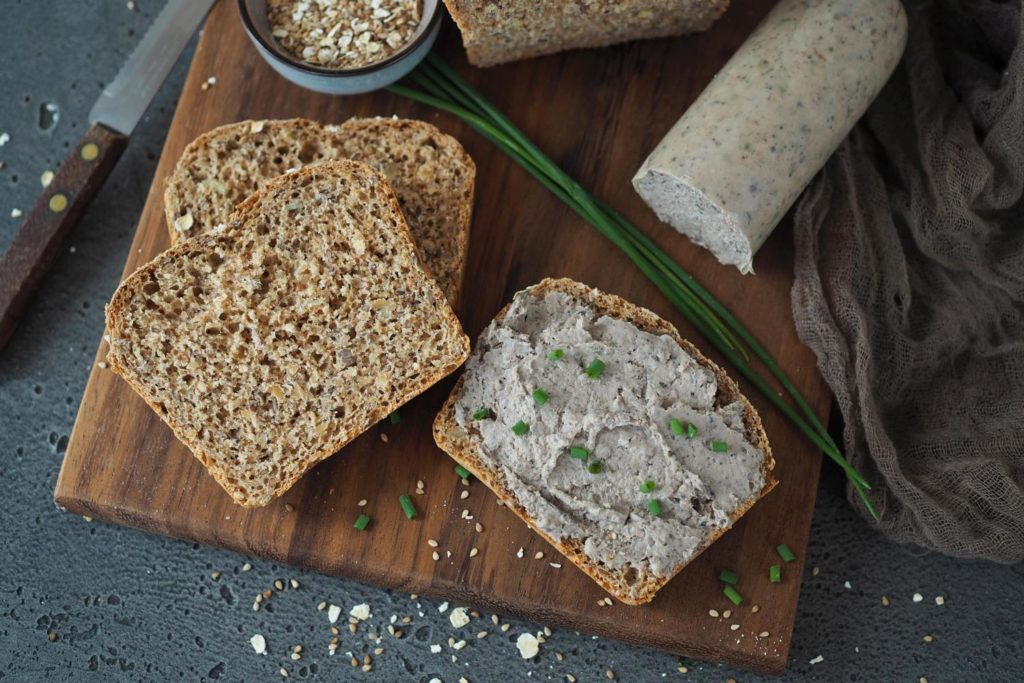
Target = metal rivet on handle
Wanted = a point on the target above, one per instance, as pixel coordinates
(90, 151)
(58, 202)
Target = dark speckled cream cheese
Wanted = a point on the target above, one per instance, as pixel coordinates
(731, 167)
(622, 418)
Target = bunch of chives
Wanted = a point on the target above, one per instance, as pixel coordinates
(442, 88)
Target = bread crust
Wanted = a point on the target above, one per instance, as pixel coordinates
(200, 244)
(464, 445)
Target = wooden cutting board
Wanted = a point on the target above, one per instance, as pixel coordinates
(597, 113)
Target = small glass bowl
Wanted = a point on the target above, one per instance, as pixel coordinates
(341, 81)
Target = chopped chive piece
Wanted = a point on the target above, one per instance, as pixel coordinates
(540, 396)
(462, 472)
(395, 417)
(691, 430)
(407, 506)
(579, 452)
(775, 573)
(520, 428)
(654, 507)
(676, 426)
(728, 576)
(595, 467)
(362, 521)
(648, 486)
(719, 446)
(556, 354)
(785, 553)
(482, 414)
(732, 594)
(595, 368)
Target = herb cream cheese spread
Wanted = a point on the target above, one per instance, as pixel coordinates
(607, 433)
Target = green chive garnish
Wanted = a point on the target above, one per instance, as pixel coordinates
(595, 467)
(462, 472)
(775, 573)
(407, 506)
(648, 486)
(785, 553)
(719, 446)
(520, 428)
(691, 430)
(395, 417)
(676, 426)
(482, 414)
(362, 521)
(732, 594)
(579, 452)
(595, 368)
(654, 507)
(540, 396)
(728, 576)
(556, 354)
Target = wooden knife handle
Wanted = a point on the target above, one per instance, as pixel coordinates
(59, 207)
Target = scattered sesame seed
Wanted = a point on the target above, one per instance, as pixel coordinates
(610, 675)
(479, 527)
(378, 651)
(256, 606)
(918, 597)
(333, 612)
(131, 5)
(367, 667)
(464, 495)
(734, 627)
(814, 572)
(927, 638)
(730, 680)
(279, 584)
(322, 606)
(505, 627)
(362, 503)
(727, 613)
(754, 609)
(102, 365)
(763, 634)
(413, 596)
(885, 601)
(846, 585)
(939, 600)
(246, 567)
(473, 552)
(16, 213)
(52, 636)
(519, 553)
(296, 656)
(539, 555)
(555, 565)
(495, 619)
(570, 678)
(432, 543)
(46, 178)
(458, 645)
(435, 556)
(713, 612)
(682, 669)
(817, 660)
(482, 635)
(383, 437)
(559, 656)
(266, 594)
(922, 679)
(215, 575)
(283, 671)
(294, 583)
(288, 507)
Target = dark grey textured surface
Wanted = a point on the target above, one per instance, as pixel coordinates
(126, 606)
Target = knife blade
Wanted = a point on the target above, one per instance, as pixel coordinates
(112, 119)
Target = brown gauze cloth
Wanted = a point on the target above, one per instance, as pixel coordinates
(910, 284)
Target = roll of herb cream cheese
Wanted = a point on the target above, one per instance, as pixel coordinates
(731, 167)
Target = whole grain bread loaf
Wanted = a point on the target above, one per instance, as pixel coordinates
(498, 32)
(634, 583)
(269, 343)
(429, 171)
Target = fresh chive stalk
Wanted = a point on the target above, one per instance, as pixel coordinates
(407, 506)
(676, 426)
(691, 430)
(462, 472)
(556, 354)
(579, 452)
(482, 414)
(540, 396)
(595, 467)
(648, 486)
(654, 507)
(395, 417)
(732, 594)
(775, 573)
(595, 369)
(444, 89)
(362, 521)
(520, 428)
(719, 446)
(785, 553)
(728, 576)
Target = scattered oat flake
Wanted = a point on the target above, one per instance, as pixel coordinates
(918, 597)
(435, 556)
(458, 617)
(928, 638)
(333, 612)
(4, 139)
(527, 645)
(360, 612)
(259, 643)
(435, 649)
(885, 601)
(443, 607)
(817, 660)
(846, 585)
(939, 600)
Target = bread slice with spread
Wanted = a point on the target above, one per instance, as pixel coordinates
(430, 172)
(607, 433)
(269, 343)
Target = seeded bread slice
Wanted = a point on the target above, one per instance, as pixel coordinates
(268, 344)
(429, 171)
(631, 584)
(498, 32)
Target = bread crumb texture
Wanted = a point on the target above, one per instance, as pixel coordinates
(270, 343)
(430, 172)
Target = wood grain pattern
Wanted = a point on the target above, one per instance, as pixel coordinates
(597, 113)
(55, 212)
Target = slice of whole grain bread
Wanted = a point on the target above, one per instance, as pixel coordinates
(429, 171)
(498, 32)
(268, 344)
(631, 585)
